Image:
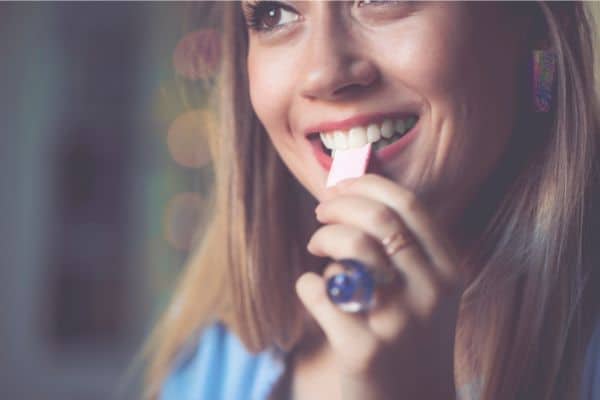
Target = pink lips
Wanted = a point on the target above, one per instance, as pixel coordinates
(379, 157)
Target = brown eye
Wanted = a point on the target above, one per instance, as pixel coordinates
(271, 17)
(268, 15)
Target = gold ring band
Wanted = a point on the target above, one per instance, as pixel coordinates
(395, 242)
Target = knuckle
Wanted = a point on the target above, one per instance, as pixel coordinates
(391, 328)
(380, 216)
(436, 298)
(426, 302)
(409, 202)
(432, 302)
(428, 305)
(359, 242)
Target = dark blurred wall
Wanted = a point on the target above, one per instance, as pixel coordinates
(85, 178)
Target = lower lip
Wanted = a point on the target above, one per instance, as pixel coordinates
(382, 155)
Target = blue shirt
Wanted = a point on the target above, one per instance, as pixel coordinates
(218, 367)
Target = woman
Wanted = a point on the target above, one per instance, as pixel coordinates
(490, 185)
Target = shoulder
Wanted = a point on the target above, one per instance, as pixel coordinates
(591, 372)
(216, 365)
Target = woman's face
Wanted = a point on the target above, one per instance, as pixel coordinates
(354, 69)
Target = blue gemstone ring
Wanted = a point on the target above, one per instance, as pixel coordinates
(354, 289)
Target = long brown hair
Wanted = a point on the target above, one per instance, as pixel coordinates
(528, 308)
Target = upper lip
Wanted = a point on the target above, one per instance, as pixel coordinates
(357, 120)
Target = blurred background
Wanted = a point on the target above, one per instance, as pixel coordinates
(105, 172)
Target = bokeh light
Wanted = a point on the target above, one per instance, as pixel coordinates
(187, 138)
(184, 215)
(197, 54)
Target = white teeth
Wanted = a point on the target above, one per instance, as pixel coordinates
(387, 129)
(330, 141)
(325, 140)
(374, 133)
(340, 141)
(357, 137)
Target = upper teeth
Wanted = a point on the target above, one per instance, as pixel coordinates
(360, 135)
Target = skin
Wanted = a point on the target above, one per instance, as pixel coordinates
(458, 64)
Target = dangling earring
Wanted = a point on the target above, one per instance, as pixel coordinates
(544, 68)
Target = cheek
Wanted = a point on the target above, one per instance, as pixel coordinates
(428, 58)
(457, 73)
(270, 91)
(467, 88)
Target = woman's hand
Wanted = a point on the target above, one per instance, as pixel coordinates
(402, 349)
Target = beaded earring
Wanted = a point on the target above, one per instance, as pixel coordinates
(544, 68)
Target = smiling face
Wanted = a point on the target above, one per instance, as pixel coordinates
(357, 70)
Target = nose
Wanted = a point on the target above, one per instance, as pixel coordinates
(334, 68)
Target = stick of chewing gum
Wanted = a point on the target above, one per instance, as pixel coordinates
(347, 164)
